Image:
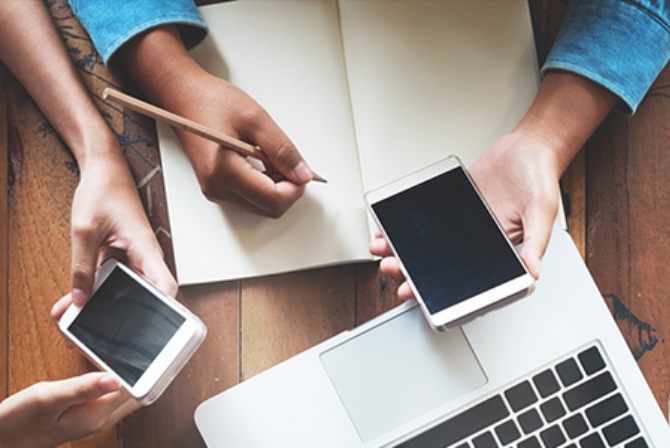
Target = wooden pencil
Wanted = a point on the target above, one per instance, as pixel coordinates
(180, 122)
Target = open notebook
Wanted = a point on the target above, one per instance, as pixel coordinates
(368, 91)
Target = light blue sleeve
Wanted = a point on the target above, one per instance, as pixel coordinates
(620, 44)
(112, 23)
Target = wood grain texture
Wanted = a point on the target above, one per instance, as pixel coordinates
(42, 182)
(4, 236)
(628, 222)
(285, 314)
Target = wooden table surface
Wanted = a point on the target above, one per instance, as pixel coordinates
(616, 191)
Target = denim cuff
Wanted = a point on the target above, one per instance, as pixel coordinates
(620, 44)
(111, 24)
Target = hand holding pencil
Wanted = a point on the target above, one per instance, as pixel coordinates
(225, 176)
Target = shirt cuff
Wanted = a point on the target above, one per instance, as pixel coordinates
(620, 45)
(111, 24)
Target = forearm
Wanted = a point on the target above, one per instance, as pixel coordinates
(621, 45)
(32, 49)
(566, 111)
(159, 63)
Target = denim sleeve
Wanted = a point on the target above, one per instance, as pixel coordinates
(620, 44)
(111, 24)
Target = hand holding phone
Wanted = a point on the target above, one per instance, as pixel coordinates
(132, 330)
(452, 251)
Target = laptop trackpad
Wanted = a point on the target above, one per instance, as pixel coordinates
(399, 370)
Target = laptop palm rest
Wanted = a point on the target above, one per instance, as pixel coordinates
(399, 370)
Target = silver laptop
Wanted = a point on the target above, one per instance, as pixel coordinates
(551, 370)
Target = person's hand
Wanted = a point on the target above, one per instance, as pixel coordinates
(390, 265)
(227, 177)
(108, 220)
(161, 66)
(51, 413)
(518, 177)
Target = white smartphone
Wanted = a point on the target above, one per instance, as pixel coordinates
(452, 250)
(132, 330)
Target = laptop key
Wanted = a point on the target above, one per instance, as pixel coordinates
(546, 383)
(507, 432)
(520, 396)
(592, 441)
(589, 391)
(575, 426)
(530, 421)
(552, 410)
(553, 437)
(637, 443)
(591, 360)
(606, 410)
(485, 440)
(568, 372)
(621, 430)
(530, 443)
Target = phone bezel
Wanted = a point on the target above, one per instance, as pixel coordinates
(472, 306)
(169, 360)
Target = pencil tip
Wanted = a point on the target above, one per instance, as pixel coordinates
(317, 178)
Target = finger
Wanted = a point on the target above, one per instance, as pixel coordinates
(537, 225)
(274, 198)
(391, 266)
(82, 389)
(59, 307)
(380, 247)
(405, 292)
(86, 242)
(233, 199)
(281, 152)
(147, 258)
(97, 415)
(238, 182)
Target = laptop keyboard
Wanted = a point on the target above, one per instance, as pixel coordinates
(575, 403)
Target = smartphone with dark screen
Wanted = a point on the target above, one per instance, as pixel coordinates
(132, 330)
(452, 250)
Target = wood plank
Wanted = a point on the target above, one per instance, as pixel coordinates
(4, 242)
(39, 249)
(375, 292)
(283, 315)
(214, 368)
(628, 239)
(44, 176)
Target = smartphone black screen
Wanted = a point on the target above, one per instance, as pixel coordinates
(448, 242)
(125, 325)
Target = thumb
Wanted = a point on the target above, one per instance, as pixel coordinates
(537, 225)
(282, 153)
(84, 388)
(146, 256)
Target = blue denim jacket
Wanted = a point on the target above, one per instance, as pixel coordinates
(114, 23)
(620, 44)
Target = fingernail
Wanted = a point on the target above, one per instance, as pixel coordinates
(78, 296)
(109, 383)
(302, 172)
